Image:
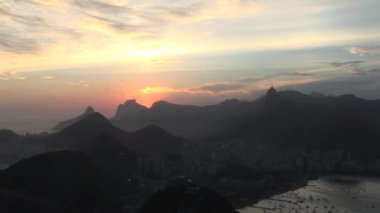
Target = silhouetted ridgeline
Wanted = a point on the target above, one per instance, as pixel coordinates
(67, 123)
(7, 135)
(292, 120)
(114, 148)
(183, 120)
(287, 118)
(243, 150)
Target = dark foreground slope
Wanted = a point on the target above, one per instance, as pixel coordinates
(7, 135)
(148, 140)
(58, 182)
(99, 140)
(187, 198)
(110, 147)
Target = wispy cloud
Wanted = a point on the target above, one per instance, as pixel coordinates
(47, 77)
(31, 26)
(79, 83)
(364, 50)
(15, 43)
(3, 78)
(243, 86)
(346, 63)
(160, 90)
(11, 75)
(352, 67)
(221, 87)
(376, 70)
(22, 19)
(27, 26)
(356, 71)
(108, 31)
(303, 74)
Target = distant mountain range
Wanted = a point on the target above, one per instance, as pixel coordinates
(287, 119)
(191, 122)
(140, 140)
(292, 120)
(282, 119)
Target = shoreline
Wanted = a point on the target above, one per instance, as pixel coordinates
(240, 203)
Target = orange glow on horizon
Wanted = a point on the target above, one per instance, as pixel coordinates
(157, 90)
(149, 100)
(149, 95)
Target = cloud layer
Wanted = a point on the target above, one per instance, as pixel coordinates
(364, 50)
(241, 87)
(11, 75)
(88, 31)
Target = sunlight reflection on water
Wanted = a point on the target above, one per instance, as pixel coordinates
(333, 194)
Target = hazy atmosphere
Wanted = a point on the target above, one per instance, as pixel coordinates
(58, 57)
(189, 106)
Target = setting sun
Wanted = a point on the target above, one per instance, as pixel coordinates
(203, 106)
(95, 52)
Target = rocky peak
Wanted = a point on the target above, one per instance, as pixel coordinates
(272, 92)
(129, 108)
(89, 110)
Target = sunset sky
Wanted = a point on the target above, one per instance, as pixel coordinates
(59, 56)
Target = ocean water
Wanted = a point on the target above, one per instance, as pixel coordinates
(28, 125)
(331, 194)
